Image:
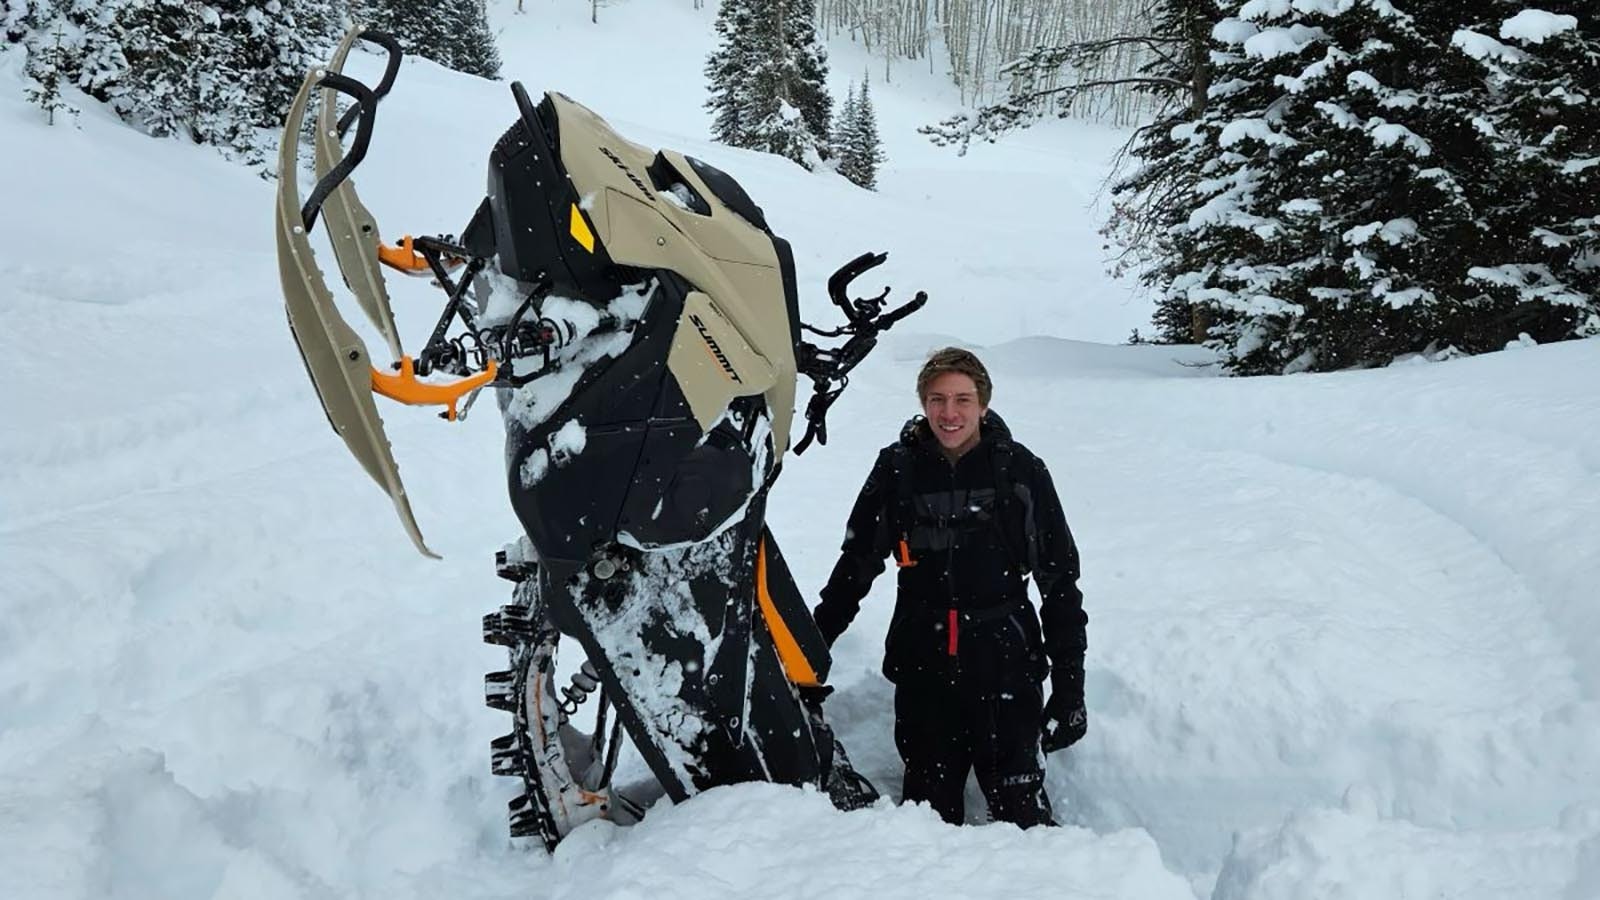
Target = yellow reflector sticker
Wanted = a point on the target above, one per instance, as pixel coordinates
(580, 230)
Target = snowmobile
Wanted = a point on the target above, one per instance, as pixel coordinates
(638, 323)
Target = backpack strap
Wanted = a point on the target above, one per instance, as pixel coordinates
(905, 503)
(1011, 515)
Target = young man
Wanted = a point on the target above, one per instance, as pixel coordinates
(968, 514)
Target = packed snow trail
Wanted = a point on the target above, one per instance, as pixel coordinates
(1341, 637)
(1370, 586)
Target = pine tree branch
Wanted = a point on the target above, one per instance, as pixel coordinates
(1151, 81)
(1085, 53)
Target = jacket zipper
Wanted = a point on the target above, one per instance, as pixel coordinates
(954, 618)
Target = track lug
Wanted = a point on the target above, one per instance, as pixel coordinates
(525, 818)
(504, 758)
(499, 691)
(513, 570)
(509, 627)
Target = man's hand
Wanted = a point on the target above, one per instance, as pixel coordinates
(1065, 723)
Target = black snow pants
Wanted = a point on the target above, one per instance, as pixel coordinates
(943, 732)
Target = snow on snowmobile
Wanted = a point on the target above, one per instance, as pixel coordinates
(638, 323)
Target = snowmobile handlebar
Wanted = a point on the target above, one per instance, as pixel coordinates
(829, 368)
(869, 310)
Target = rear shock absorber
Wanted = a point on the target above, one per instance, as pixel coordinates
(585, 682)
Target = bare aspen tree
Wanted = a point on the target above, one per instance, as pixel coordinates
(981, 38)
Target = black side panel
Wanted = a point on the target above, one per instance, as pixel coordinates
(686, 486)
(791, 290)
(576, 504)
(532, 201)
(479, 237)
(681, 491)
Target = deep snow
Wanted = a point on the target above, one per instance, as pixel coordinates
(1343, 627)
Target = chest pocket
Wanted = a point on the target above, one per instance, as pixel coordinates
(940, 520)
(958, 520)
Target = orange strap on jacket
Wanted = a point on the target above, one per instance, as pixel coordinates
(404, 386)
(904, 560)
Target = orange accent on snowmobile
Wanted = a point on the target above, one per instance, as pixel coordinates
(404, 386)
(405, 258)
(904, 560)
(795, 664)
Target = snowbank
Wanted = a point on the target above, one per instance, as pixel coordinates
(1341, 626)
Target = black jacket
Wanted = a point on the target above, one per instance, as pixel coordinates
(975, 530)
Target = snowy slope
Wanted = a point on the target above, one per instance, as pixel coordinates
(1343, 627)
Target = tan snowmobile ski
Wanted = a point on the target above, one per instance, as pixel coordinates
(335, 356)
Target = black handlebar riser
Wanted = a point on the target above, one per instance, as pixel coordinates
(530, 117)
(367, 103)
(390, 70)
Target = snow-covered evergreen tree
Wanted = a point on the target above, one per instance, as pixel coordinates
(1544, 64)
(476, 53)
(255, 53)
(768, 80)
(101, 63)
(163, 44)
(84, 38)
(727, 71)
(1151, 199)
(45, 70)
(17, 19)
(1342, 197)
(453, 33)
(856, 144)
(219, 71)
(843, 124)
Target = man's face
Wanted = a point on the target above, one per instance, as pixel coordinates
(952, 407)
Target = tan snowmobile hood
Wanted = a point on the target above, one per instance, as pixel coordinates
(737, 335)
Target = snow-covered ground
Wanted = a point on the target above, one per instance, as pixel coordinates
(1343, 638)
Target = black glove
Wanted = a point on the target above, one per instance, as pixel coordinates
(1065, 721)
(828, 623)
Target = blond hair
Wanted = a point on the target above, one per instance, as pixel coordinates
(955, 359)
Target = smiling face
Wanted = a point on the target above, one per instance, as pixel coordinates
(953, 409)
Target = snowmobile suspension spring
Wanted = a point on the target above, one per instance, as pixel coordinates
(585, 681)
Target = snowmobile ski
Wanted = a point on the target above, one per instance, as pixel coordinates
(335, 356)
